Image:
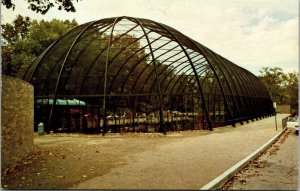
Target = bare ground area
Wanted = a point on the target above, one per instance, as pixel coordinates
(61, 161)
(183, 160)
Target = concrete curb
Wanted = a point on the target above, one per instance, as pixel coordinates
(219, 182)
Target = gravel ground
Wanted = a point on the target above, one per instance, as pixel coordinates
(183, 160)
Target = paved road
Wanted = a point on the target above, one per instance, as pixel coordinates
(188, 164)
(277, 169)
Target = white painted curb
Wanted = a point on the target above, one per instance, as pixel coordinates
(219, 182)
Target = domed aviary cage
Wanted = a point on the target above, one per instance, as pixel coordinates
(130, 74)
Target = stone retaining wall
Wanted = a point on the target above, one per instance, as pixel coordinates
(17, 120)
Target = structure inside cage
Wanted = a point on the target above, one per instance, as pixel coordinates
(137, 75)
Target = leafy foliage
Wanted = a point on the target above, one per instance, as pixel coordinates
(24, 40)
(17, 30)
(43, 6)
(283, 87)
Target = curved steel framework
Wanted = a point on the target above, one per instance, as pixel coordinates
(137, 74)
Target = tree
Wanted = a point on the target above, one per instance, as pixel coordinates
(292, 89)
(17, 30)
(43, 6)
(274, 79)
(283, 87)
(24, 40)
(13, 34)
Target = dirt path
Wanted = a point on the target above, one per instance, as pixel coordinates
(61, 161)
(177, 161)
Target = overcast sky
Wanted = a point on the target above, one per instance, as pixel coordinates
(251, 33)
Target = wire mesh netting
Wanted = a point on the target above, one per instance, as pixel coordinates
(139, 75)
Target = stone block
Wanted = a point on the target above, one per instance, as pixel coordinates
(17, 116)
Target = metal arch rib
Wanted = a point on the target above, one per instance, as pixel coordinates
(243, 79)
(239, 81)
(208, 52)
(184, 79)
(94, 60)
(192, 65)
(167, 66)
(213, 69)
(156, 75)
(132, 68)
(161, 63)
(167, 74)
(253, 84)
(137, 63)
(49, 48)
(49, 73)
(61, 70)
(230, 78)
(38, 63)
(111, 61)
(202, 71)
(178, 73)
(105, 75)
(81, 52)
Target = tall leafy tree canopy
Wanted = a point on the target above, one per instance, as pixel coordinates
(43, 6)
(24, 39)
(283, 87)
